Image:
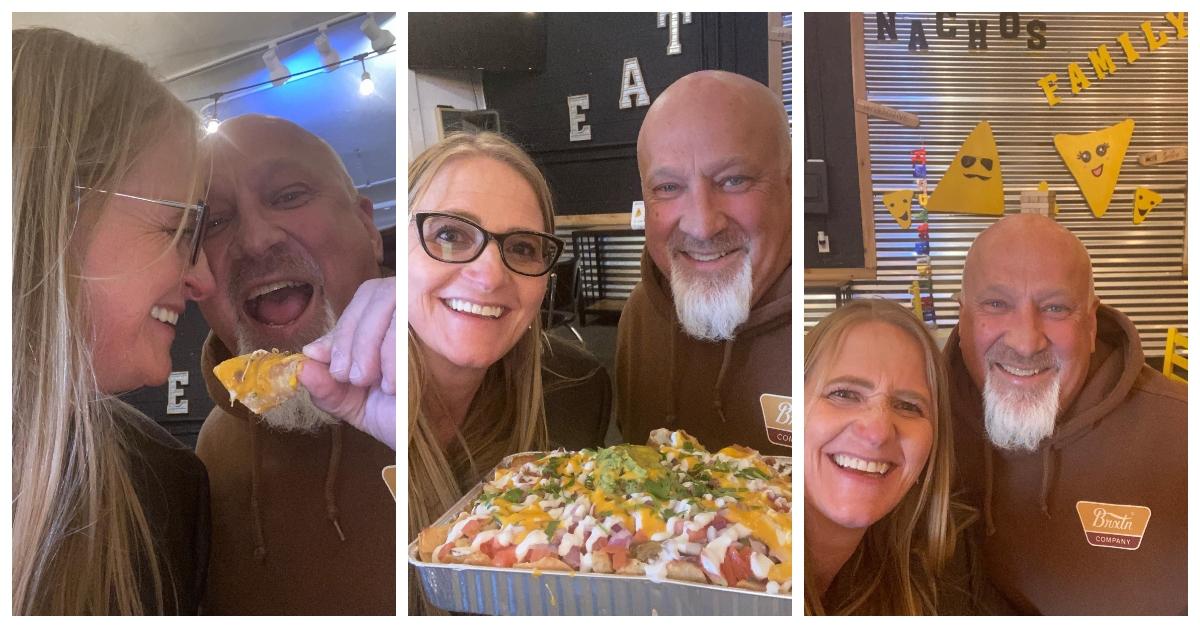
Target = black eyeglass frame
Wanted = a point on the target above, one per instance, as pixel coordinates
(201, 208)
(421, 217)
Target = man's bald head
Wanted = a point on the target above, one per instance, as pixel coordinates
(1025, 235)
(709, 94)
(714, 154)
(241, 134)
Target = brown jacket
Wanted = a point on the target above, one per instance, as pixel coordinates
(1123, 441)
(666, 378)
(281, 503)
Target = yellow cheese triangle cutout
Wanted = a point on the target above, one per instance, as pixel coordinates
(1144, 200)
(899, 205)
(972, 183)
(1094, 159)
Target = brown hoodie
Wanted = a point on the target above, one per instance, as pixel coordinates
(666, 378)
(1123, 441)
(301, 524)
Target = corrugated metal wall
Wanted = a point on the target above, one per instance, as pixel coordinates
(1138, 267)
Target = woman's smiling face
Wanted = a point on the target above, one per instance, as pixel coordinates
(441, 295)
(868, 426)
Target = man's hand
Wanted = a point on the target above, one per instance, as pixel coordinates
(352, 371)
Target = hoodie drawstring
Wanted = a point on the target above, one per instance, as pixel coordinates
(728, 353)
(260, 544)
(987, 489)
(335, 460)
(1046, 452)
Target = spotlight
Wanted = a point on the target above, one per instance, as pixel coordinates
(367, 86)
(211, 125)
(381, 40)
(329, 57)
(279, 73)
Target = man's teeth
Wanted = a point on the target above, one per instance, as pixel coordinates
(858, 464)
(490, 311)
(164, 315)
(273, 287)
(1012, 370)
(707, 257)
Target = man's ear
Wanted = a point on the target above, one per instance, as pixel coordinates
(366, 214)
(1091, 320)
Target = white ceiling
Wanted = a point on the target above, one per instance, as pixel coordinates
(171, 43)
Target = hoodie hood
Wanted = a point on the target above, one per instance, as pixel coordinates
(1112, 372)
(215, 352)
(773, 309)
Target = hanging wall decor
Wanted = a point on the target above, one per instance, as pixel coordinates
(1144, 200)
(899, 205)
(1094, 159)
(972, 183)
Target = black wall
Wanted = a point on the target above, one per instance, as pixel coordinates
(584, 54)
(829, 135)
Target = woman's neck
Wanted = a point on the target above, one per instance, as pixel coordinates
(451, 390)
(828, 545)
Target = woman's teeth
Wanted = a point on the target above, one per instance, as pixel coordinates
(490, 311)
(164, 315)
(1020, 372)
(273, 287)
(858, 464)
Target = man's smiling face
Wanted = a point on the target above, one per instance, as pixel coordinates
(288, 238)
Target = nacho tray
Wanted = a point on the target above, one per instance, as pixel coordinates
(509, 591)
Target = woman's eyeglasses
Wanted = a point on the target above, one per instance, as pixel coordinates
(193, 231)
(455, 240)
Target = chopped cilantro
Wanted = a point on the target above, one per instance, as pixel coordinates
(514, 496)
(688, 446)
(751, 473)
(551, 527)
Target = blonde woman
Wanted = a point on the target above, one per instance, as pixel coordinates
(480, 246)
(109, 512)
(880, 528)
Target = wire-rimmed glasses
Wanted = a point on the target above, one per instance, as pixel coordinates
(457, 240)
(194, 229)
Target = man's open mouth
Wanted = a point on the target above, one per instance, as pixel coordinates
(706, 256)
(279, 303)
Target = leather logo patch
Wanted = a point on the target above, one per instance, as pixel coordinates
(777, 415)
(1113, 525)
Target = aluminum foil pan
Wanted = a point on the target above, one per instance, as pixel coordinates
(504, 591)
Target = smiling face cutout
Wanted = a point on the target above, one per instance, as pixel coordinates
(1094, 159)
(1144, 200)
(899, 205)
(972, 183)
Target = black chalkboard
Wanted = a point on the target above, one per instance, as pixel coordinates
(584, 55)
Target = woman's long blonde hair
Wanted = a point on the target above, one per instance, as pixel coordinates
(508, 414)
(82, 114)
(896, 567)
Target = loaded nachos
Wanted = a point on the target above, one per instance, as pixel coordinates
(669, 510)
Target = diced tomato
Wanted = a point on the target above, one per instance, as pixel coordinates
(505, 556)
(471, 527)
(488, 547)
(620, 556)
(600, 544)
(536, 553)
(572, 557)
(736, 566)
(640, 537)
(697, 536)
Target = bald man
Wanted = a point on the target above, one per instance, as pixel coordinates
(704, 342)
(302, 521)
(1066, 439)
